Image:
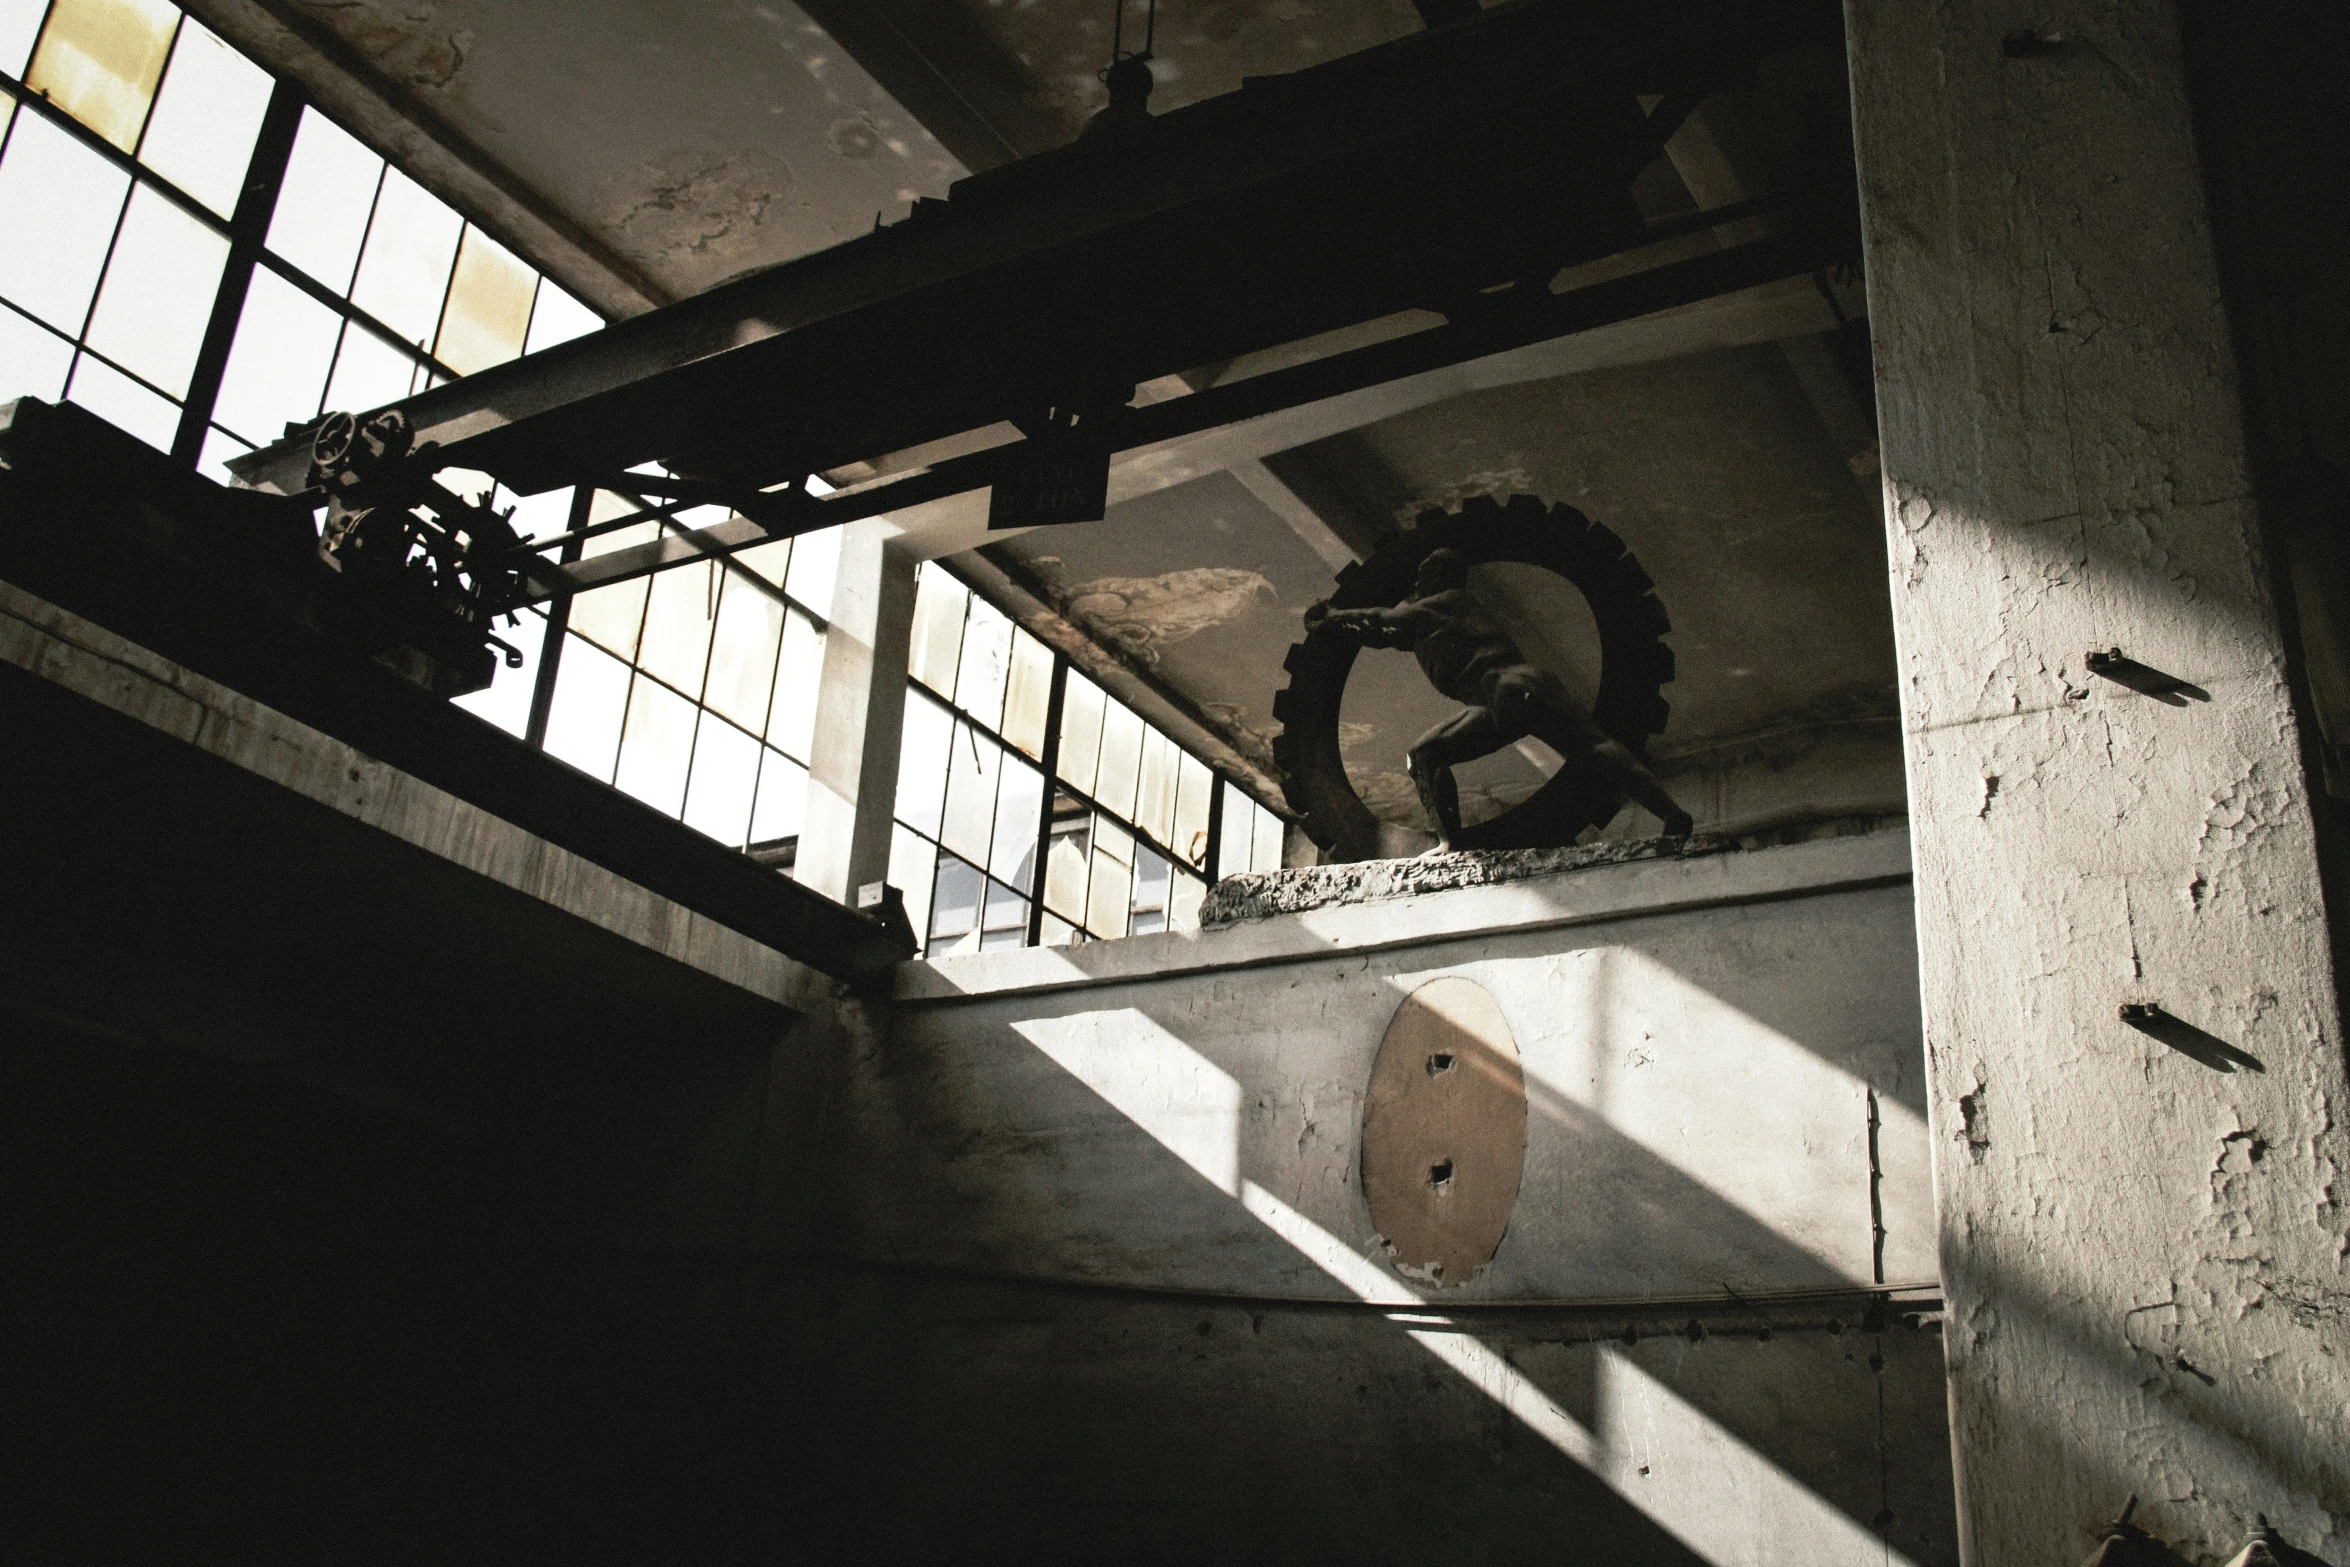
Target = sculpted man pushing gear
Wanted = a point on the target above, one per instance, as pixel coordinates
(1472, 660)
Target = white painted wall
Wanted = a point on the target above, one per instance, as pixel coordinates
(1701, 1040)
(2145, 1258)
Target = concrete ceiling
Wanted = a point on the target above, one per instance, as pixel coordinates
(685, 142)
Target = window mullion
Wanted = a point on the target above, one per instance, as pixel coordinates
(1051, 762)
(247, 230)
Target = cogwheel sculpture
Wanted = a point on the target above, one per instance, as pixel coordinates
(1425, 572)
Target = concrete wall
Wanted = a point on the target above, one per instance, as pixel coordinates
(1090, 1249)
(2144, 1245)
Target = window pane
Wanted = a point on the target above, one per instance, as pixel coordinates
(913, 862)
(1154, 799)
(206, 118)
(1150, 894)
(1004, 919)
(973, 764)
(676, 641)
(558, 318)
(1194, 787)
(124, 403)
(1183, 902)
(656, 745)
(987, 656)
(19, 21)
(940, 607)
(1029, 700)
(100, 60)
(612, 616)
(505, 701)
(1068, 855)
(58, 204)
(723, 784)
(604, 506)
(157, 297)
(277, 370)
(1081, 731)
(799, 679)
(369, 373)
(322, 207)
(213, 456)
(489, 306)
(1106, 901)
(1269, 833)
(815, 560)
(742, 652)
(1113, 787)
(33, 359)
(783, 798)
(922, 763)
(954, 908)
(767, 562)
(1018, 812)
(1237, 841)
(404, 268)
(1060, 933)
(591, 694)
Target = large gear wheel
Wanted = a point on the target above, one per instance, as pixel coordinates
(1635, 666)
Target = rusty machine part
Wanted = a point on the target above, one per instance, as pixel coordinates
(1635, 667)
(427, 568)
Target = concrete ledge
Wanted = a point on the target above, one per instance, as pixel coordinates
(1582, 894)
(80, 656)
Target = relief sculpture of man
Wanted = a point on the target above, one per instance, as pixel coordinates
(1473, 661)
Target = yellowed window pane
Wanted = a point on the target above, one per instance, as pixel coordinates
(767, 562)
(100, 60)
(974, 763)
(742, 655)
(656, 746)
(940, 603)
(676, 644)
(1193, 790)
(1154, 803)
(1029, 700)
(987, 655)
(1240, 825)
(1269, 833)
(1108, 901)
(1121, 759)
(1081, 732)
(489, 306)
(611, 617)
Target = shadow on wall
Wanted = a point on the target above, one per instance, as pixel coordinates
(1200, 1136)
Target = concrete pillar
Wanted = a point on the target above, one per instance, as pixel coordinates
(2143, 1255)
(853, 763)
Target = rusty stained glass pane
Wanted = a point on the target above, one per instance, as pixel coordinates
(100, 61)
(488, 313)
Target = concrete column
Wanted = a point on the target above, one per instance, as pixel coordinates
(2143, 1255)
(860, 713)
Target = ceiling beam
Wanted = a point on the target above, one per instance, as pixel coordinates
(947, 71)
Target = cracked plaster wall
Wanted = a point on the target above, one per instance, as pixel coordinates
(2144, 1258)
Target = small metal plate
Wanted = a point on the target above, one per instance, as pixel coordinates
(1444, 1132)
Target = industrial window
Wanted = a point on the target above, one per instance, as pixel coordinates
(693, 689)
(195, 255)
(1033, 807)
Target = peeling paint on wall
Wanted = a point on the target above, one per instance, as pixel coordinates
(696, 203)
(402, 38)
(1144, 614)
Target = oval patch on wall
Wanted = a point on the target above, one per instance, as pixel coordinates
(1444, 1132)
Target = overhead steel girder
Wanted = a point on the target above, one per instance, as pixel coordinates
(1414, 175)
